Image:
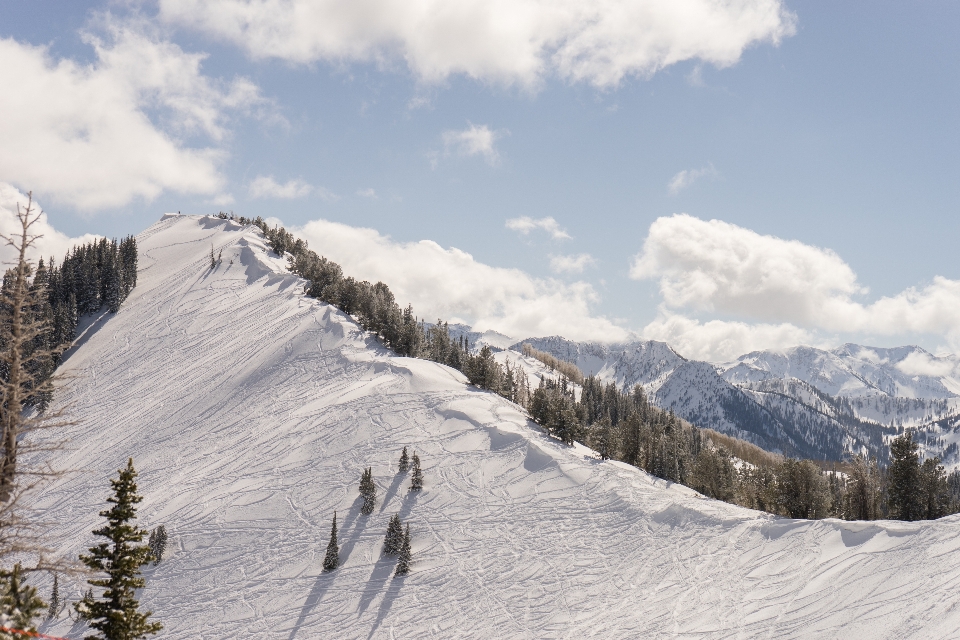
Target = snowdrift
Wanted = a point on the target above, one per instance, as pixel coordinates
(251, 412)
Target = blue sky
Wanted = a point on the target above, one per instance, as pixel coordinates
(823, 135)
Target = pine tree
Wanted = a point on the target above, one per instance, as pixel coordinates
(369, 491)
(56, 602)
(158, 543)
(905, 491)
(416, 478)
(332, 560)
(116, 613)
(393, 541)
(19, 603)
(404, 461)
(403, 562)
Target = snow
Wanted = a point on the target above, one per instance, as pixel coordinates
(251, 412)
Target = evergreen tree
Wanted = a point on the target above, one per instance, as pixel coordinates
(19, 603)
(116, 613)
(369, 491)
(904, 491)
(862, 496)
(56, 602)
(332, 560)
(158, 543)
(404, 461)
(934, 490)
(416, 477)
(393, 541)
(403, 561)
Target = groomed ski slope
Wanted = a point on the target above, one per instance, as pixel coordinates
(251, 411)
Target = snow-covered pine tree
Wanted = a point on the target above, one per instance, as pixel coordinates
(19, 603)
(403, 562)
(56, 602)
(369, 491)
(416, 477)
(158, 543)
(332, 560)
(404, 461)
(116, 614)
(394, 538)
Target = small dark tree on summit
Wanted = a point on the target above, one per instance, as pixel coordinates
(404, 461)
(403, 562)
(116, 613)
(332, 560)
(393, 541)
(416, 478)
(369, 491)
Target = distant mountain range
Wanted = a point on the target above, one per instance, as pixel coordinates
(803, 401)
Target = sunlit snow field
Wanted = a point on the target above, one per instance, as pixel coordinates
(251, 411)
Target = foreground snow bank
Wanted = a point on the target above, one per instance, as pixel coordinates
(251, 412)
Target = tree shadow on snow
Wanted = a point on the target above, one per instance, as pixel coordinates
(392, 592)
(392, 491)
(324, 580)
(409, 500)
(86, 327)
(381, 573)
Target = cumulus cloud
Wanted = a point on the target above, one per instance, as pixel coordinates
(505, 41)
(525, 224)
(367, 193)
(49, 243)
(687, 177)
(449, 283)
(268, 187)
(919, 363)
(81, 134)
(475, 140)
(571, 264)
(717, 267)
(723, 340)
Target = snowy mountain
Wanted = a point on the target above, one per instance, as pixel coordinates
(804, 401)
(251, 411)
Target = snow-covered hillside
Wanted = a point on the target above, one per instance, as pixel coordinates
(251, 411)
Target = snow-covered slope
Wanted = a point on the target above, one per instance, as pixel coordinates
(251, 411)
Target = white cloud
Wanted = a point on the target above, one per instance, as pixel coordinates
(717, 267)
(919, 363)
(525, 224)
(80, 134)
(450, 284)
(267, 187)
(506, 41)
(687, 177)
(571, 264)
(720, 340)
(367, 193)
(473, 141)
(50, 243)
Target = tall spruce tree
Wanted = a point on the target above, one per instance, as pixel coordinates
(393, 541)
(416, 477)
(904, 490)
(403, 561)
(19, 603)
(158, 543)
(332, 559)
(56, 601)
(404, 461)
(116, 613)
(368, 490)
